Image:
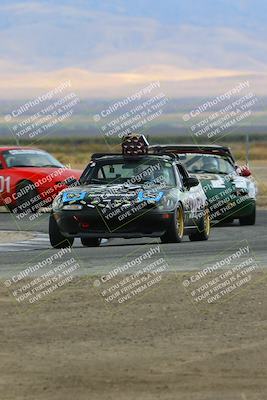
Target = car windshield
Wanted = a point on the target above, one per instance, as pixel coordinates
(207, 163)
(130, 172)
(30, 158)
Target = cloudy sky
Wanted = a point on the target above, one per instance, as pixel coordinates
(108, 48)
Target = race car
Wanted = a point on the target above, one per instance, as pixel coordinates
(31, 178)
(131, 195)
(230, 189)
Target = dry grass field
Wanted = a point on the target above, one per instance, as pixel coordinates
(78, 154)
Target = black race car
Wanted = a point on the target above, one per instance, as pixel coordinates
(131, 195)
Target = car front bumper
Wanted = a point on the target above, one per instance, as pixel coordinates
(90, 223)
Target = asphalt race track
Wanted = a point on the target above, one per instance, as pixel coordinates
(181, 257)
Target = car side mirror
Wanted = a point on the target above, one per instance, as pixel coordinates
(243, 171)
(1, 165)
(191, 181)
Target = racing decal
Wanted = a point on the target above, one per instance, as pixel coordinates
(5, 184)
(143, 197)
(72, 196)
(218, 183)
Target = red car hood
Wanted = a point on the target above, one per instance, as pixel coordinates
(57, 174)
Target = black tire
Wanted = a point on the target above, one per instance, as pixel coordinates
(175, 232)
(248, 219)
(57, 240)
(91, 242)
(27, 198)
(203, 229)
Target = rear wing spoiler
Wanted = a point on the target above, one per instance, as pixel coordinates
(169, 154)
(210, 149)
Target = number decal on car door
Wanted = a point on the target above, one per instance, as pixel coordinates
(4, 184)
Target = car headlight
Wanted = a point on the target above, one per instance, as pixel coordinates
(168, 202)
(252, 190)
(246, 190)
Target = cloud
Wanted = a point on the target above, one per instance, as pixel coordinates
(174, 82)
(109, 52)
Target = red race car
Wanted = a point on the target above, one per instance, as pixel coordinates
(31, 178)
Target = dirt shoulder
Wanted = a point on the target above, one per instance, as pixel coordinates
(74, 346)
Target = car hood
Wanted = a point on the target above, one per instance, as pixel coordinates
(58, 174)
(103, 194)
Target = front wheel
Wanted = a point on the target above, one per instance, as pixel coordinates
(27, 198)
(91, 242)
(57, 239)
(203, 228)
(175, 232)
